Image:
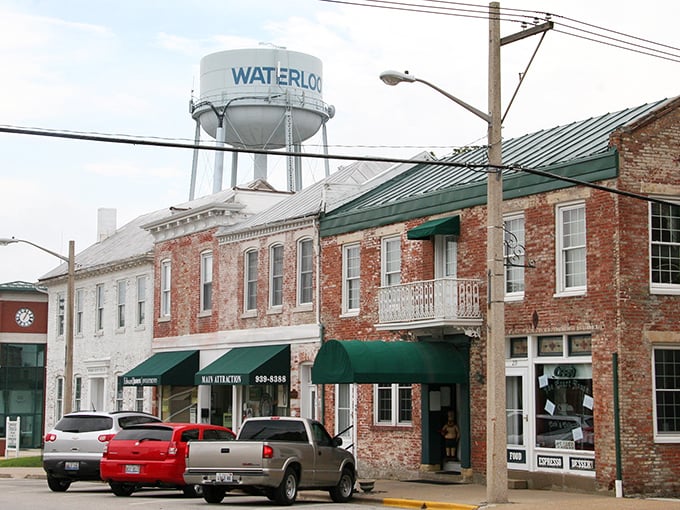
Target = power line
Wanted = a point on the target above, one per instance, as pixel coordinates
(477, 167)
(619, 40)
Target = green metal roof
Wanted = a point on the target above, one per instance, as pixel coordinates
(579, 150)
(356, 361)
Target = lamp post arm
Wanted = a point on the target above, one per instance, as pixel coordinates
(12, 240)
(484, 116)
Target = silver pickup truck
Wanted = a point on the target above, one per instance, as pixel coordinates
(273, 456)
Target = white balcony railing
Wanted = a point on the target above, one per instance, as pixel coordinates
(449, 300)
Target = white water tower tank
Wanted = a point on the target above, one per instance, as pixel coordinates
(253, 89)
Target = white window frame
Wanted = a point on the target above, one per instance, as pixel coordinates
(661, 436)
(119, 393)
(562, 250)
(166, 283)
(59, 401)
(250, 277)
(61, 307)
(305, 271)
(351, 279)
(99, 307)
(139, 399)
(141, 300)
(121, 293)
(660, 287)
(276, 276)
(514, 274)
(206, 281)
(390, 261)
(80, 293)
(77, 393)
(394, 393)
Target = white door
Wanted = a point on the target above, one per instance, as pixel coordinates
(96, 395)
(518, 426)
(308, 393)
(345, 426)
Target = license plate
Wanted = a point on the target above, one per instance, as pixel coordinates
(224, 477)
(132, 469)
(72, 466)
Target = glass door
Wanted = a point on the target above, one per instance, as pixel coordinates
(517, 417)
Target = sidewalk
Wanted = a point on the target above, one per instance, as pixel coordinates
(458, 496)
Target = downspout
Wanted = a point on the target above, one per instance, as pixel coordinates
(617, 425)
(322, 330)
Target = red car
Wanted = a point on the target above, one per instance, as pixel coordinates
(153, 455)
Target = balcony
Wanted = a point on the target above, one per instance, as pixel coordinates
(445, 303)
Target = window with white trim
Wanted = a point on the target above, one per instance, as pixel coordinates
(79, 312)
(571, 248)
(664, 253)
(120, 307)
(141, 300)
(166, 270)
(60, 314)
(59, 402)
(391, 261)
(139, 399)
(393, 404)
(276, 275)
(99, 307)
(250, 274)
(77, 393)
(513, 251)
(206, 281)
(119, 393)
(351, 273)
(667, 394)
(305, 271)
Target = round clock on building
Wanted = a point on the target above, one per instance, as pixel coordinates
(24, 317)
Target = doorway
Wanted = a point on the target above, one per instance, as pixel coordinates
(518, 432)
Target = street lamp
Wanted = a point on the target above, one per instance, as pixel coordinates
(70, 291)
(496, 463)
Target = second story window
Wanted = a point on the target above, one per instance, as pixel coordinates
(514, 255)
(60, 314)
(305, 271)
(571, 249)
(120, 306)
(391, 261)
(165, 288)
(206, 281)
(79, 312)
(141, 300)
(276, 275)
(99, 308)
(351, 273)
(665, 247)
(250, 274)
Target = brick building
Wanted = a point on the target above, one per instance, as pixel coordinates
(23, 339)
(592, 281)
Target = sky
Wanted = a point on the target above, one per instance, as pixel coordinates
(130, 67)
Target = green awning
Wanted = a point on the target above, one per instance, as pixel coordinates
(440, 227)
(265, 364)
(176, 368)
(355, 361)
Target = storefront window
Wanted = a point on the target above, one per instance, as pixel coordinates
(564, 406)
(265, 400)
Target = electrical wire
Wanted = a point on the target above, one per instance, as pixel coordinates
(476, 167)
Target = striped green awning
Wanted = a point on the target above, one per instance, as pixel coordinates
(175, 368)
(440, 227)
(265, 364)
(355, 361)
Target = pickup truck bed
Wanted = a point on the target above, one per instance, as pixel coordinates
(273, 456)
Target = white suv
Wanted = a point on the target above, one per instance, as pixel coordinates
(73, 448)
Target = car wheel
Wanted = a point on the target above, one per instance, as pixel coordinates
(58, 484)
(342, 492)
(192, 491)
(286, 492)
(122, 489)
(213, 494)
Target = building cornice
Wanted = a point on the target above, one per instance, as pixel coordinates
(267, 229)
(184, 222)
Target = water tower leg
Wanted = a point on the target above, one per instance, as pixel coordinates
(234, 169)
(194, 162)
(219, 158)
(327, 163)
(298, 168)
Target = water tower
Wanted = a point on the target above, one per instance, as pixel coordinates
(259, 98)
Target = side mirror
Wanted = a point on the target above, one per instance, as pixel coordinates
(337, 441)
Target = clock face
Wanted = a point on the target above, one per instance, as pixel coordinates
(24, 317)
